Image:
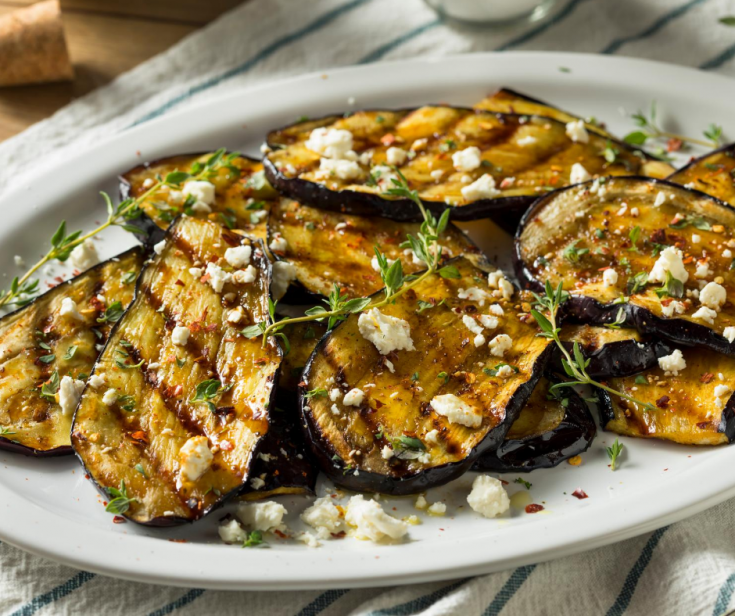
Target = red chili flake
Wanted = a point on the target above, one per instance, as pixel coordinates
(179, 389)
(212, 327)
(659, 236)
(86, 475)
(504, 482)
(280, 534)
(180, 282)
(663, 402)
(118, 519)
(580, 493)
(139, 436)
(340, 535)
(178, 540)
(534, 508)
(388, 139)
(707, 377)
(261, 361)
(674, 145)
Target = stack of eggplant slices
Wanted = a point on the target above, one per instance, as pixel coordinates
(407, 358)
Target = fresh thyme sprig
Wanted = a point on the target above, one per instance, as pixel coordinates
(650, 129)
(424, 245)
(23, 289)
(574, 363)
(613, 453)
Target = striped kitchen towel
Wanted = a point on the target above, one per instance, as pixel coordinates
(687, 568)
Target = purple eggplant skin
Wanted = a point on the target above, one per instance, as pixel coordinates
(365, 481)
(571, 437)
(581, 309)
(617, 359)
(11, 446)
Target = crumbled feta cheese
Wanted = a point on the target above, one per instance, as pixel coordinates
(727, 253)
(610, 277)
(203, 192)
(673, 363)
(713, 296)
(505, 289)
(578, 174)
(258, 216)
(238, 256)
(457, 410)
(479, 340)
(395, 156)
(335, 394)
(488, 496)
(324, 517)
(672, 308)
(110, 397)
(343, 169)
(437, 174)
(196, 272)
(69, 309)
(330, 142)
(376, 266)
(721, 390)
(623, 209)
(468, 159)
(278, 243)
(195, 457)
(696, 238)
(386, 452)
(432, 436)
(505, 371)
(660, 199)
(261, 516)
(421, 503)
(84, 256)
(19, 261)
(335, 410)
(180, 335)
(577, 132)
(471, 324)
(257, 483)
(248, 275)
(670, 260)
(703, 270)
(729, 334)
(385, 332)
(96, 381)
(706, 314)
(389, 365)
(488, 321)
(158, 248)
(235, 315)
(232, 532)
(474, 294)
(437, 509)
(70, 391)
(217, 277)
(384, 175)
(354, 397)
(482, 188)
(496, 309)
(500, 344)
(526, 140)
(371, 522)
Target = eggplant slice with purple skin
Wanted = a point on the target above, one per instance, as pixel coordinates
(188, 401)
(711, 173)
(627, 225)
(475, 163)
(328, 248)
(550, 429)
(48, 340)
(694, 406)
(611, 352)
(388, 436)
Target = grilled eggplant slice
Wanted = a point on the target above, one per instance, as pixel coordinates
(49, 339)
(688, 408)
(711, 173)
(548, 431)
(394, 434)
(506, 100)
(628, 225)
(520, 158)
(327, 248)
(241, 201)
(187, 404)
(611, 352)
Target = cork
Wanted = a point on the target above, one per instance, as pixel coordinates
(32, 46)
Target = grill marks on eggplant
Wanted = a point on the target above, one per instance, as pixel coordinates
(711, 173)
(241, 202)
(535, 151)
(327, 248)
(38, 342)
(548, 431)
(139, 437)
(699, 226)
(687, 409)
(396, 411)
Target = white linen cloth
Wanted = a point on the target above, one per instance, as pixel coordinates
(687, 568)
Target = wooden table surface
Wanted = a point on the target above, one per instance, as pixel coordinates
(105, 38)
